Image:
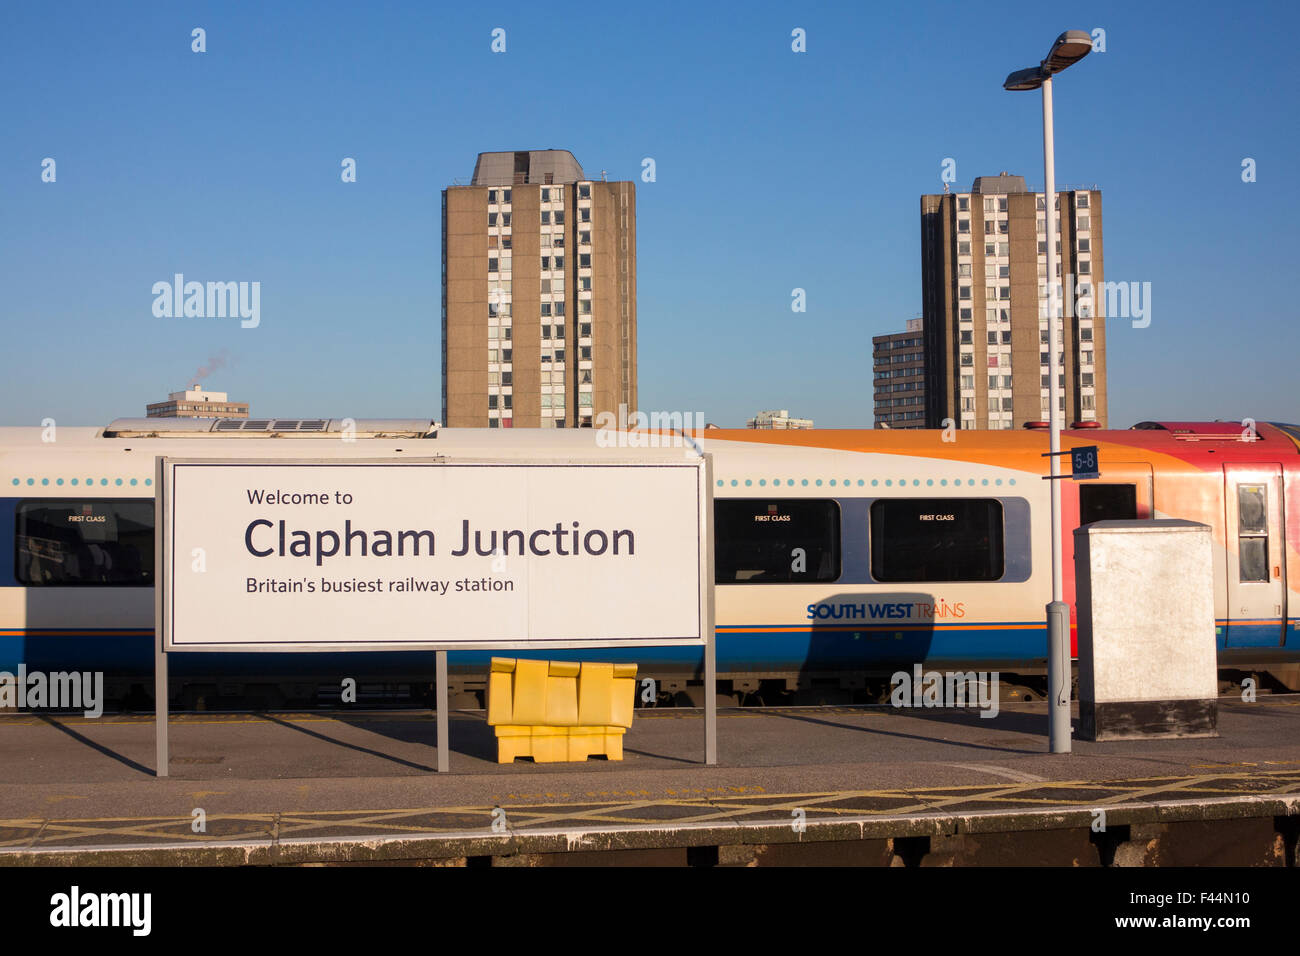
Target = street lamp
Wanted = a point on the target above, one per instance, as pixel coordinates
(1070, 47)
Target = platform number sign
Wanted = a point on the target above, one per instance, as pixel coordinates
(1084, 462)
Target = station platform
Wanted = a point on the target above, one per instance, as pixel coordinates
(819, 785)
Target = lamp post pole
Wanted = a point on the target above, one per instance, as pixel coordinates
(1058, 612)
(1069, 48)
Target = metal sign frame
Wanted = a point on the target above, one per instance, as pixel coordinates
(164, 503)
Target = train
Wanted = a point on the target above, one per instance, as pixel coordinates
(884, 585)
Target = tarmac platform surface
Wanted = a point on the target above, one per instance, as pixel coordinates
(361, 786)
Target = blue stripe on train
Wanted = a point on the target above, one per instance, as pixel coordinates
(743, 651)
(747, 651)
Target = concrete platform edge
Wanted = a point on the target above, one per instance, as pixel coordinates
(458, 845)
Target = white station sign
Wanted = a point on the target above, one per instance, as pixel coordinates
(348, 555)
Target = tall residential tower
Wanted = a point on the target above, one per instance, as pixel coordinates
(984, 287)
(538, 294)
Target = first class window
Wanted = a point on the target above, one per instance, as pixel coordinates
(936, 539)
(776, 540)
(72, 543)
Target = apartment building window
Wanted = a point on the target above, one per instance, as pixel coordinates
(584, 237)
(546, 218)
(963, 269)
(584, 214)
(1085, 245)
(1087, 357)
(546, 308)
(963, 225)
(1083, 224)
(584, 329)
(968, 381)
(967, 359)
(1006, 404)
(988, 205)
(1004, 272)
(993, 338)
(584, 191)
(1044, 358)
(963, 203)
(1002, 204)
(1082, 201)
(559, 217)
(989, 227)
(584, 306)
(1006, 336)
(492, 219)
(1087, 379)
(993, 382)
(963, 292)
(963, 248)
(964, 315)
(492, 401)
(505, 195)
(492, 265)
(1004, 292)
(1004, 227)
(1085, 267)
(559, 308)
(559, 262)
(990, 248)
(584, 260)
(968, 404)
(1006, 381)
(966, 337)
(505, 219)
(1088, 401)
(1085, 335)
(1004, 248)
(546, 195)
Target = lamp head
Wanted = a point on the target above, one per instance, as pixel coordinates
(1070, 47)
(1030, 79)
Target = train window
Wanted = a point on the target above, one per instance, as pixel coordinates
(1252, 533)
(1107, 502)
(936, 539)
(1252, 509)
(84, 541)
(776, 541)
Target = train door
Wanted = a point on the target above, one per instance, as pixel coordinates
(1255, 555)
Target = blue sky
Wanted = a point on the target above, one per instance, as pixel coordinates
(774, 170)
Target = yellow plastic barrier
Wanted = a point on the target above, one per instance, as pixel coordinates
(558, 710)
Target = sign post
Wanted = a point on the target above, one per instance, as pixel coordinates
(264, 555)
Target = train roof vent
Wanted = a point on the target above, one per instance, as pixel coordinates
(299, 425)
(1204, 431)
(270, 427)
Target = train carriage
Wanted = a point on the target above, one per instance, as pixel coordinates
(838, 554)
